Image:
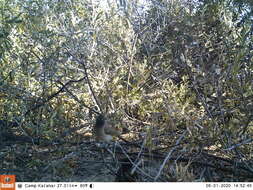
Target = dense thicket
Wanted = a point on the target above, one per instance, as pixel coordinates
(177, 74)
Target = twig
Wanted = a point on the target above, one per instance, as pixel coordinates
(76, 99)
(168, 156)
(38, 105)
(87, 78)
(247, 141)
(135, 165)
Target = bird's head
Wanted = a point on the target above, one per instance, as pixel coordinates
(100, 121)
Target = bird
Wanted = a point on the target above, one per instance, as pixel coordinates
(103, 132)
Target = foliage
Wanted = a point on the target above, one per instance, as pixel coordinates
(174, 66)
